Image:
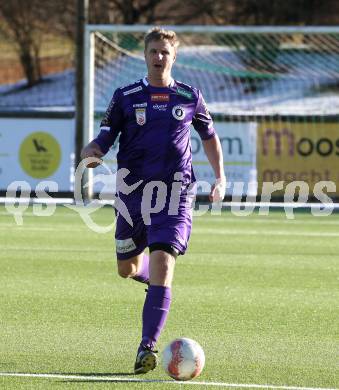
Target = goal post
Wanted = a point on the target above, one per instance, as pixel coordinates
(273, 93)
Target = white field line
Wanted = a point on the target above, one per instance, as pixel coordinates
(316, 220)
(276, 205)
(30, 214)
(311, 220)
(171, 382)
(50, 200)
(243, 232)
(197, 230)
(207, 219)
(49, 249)
(58, 228)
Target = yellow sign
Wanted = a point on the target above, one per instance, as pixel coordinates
(40, 155)
(298, 151)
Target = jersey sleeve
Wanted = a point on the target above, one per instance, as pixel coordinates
(111, 124)
(202, 120)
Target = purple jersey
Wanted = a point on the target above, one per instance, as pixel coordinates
(154, 128)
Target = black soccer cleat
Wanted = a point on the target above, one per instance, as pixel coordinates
(145, 361)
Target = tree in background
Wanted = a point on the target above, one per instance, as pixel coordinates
(124, 11)
(158, 11)
(26, 24)
(21, 26)
(287, 12)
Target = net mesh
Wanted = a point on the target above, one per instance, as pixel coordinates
(239, 74)
(274, 96)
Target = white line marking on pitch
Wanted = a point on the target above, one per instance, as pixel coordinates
(117, 379)
(244, 232)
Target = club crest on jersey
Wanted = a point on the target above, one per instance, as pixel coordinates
(140, 115)
(178, 112)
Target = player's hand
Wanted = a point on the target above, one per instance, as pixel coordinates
(218, 190)
(92, 150)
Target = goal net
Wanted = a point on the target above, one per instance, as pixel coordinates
(273, 94)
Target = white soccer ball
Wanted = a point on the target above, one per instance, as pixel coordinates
(183, 359)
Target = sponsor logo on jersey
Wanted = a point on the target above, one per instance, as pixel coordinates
(183, 92)
(140, 105)
(133, 90)
(160, 97)
(205, 107)
(124, 246)
(160, 107)
(178, 112)
(105, 128)
(140, 115)
(105, 120)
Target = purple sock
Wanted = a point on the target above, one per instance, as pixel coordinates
(143, 275)
(154, 315)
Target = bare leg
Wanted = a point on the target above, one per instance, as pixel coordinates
(136, 267)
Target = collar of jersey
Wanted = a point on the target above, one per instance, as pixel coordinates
(147, 84)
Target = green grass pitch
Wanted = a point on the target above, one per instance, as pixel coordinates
(259, 293)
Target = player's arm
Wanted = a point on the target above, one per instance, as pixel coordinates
(109, 129)
(213, 151)
(203, 124)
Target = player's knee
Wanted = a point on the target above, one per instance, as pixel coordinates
(165, 270)
(126, 270)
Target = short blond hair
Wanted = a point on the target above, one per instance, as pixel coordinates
(160, 34)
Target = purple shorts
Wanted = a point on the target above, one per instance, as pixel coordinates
(164, 228)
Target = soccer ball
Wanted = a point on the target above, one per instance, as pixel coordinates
(183, 359)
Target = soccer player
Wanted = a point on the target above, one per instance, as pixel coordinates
(152, 118)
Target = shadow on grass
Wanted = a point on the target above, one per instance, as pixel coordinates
(96, 374)
(111, 377)
(116, 381)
